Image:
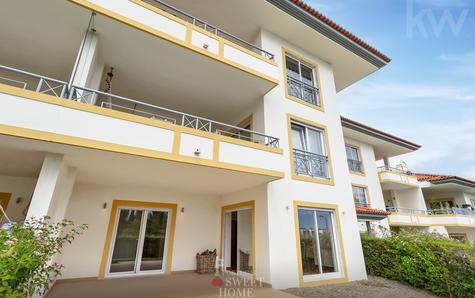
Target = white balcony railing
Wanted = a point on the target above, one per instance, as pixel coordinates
(456, 211)
(60, 89)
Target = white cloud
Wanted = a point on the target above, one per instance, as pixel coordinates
(462, 64)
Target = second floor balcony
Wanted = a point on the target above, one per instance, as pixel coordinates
(396, 178)
(432, 217)
(39, 103)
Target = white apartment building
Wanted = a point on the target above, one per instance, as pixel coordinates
(440, 204)
(172, 128)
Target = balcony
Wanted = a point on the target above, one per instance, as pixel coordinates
(310, 164)
(185, 30)
(396, 179)
(355, 166)
(438, 217)
(51, 110)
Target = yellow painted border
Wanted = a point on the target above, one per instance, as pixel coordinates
(316, 68)
(327, 149)
(105, 146)
(183, 43)
(360, 156)
(417, 224)
(464, 235)
(110, 229)
(45, 98)
(336, 211)
(227, 208)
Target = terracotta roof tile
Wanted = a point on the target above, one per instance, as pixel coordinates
(340, 29)
(437, 177)
(366, 210)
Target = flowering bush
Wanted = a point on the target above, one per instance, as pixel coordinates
(27, 251)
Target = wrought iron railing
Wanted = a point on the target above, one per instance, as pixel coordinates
(310, 164)
(303, 91)
(60, 89)
(210, 28)
(355, 165)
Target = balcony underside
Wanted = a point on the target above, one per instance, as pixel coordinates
(23, 157)
(47, 39)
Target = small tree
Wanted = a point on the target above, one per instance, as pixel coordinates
(27, 254)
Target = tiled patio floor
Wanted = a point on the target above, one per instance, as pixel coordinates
(173, 286)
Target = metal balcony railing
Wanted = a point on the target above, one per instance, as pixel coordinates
(355, 165)
(60, 89)
(452, 210)
(406, 210)
(394, 170)
(303, 91)
(210, 28)
(310, 164)
(362, 204)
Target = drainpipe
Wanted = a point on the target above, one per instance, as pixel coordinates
(386, 163)
(368, 227)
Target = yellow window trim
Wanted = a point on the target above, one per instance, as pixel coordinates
(291, 151)
(316, 68)
(110, 229)
(28, 94)
(358, 148)
(186, 44)
(368, 197)
(331, 207)
(226, 208)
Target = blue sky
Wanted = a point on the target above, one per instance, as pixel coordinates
(427, 93)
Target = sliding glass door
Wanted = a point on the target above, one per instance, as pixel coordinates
(139, 241)
(317, 241)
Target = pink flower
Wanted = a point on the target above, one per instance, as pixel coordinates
(8, 243)
(39, 254)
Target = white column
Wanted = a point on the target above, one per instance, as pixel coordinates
(89, 69)
(53, 188)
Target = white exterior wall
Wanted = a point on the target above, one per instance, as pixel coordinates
(370, 179)
(197, 228)
(19, 187)
(282, 193)
(411, 198)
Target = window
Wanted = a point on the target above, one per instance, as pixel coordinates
(359, 195)
(317, 241)
(309, 154)
(301, 81)
(353, 158)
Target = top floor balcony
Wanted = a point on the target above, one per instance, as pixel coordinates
(396, 178)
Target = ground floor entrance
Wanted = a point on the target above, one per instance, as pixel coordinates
(140, 240)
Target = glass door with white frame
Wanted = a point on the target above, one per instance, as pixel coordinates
(140, 241)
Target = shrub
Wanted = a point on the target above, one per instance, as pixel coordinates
(439, 265)
(26, 255)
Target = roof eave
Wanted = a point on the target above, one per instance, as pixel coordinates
(326, 30)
